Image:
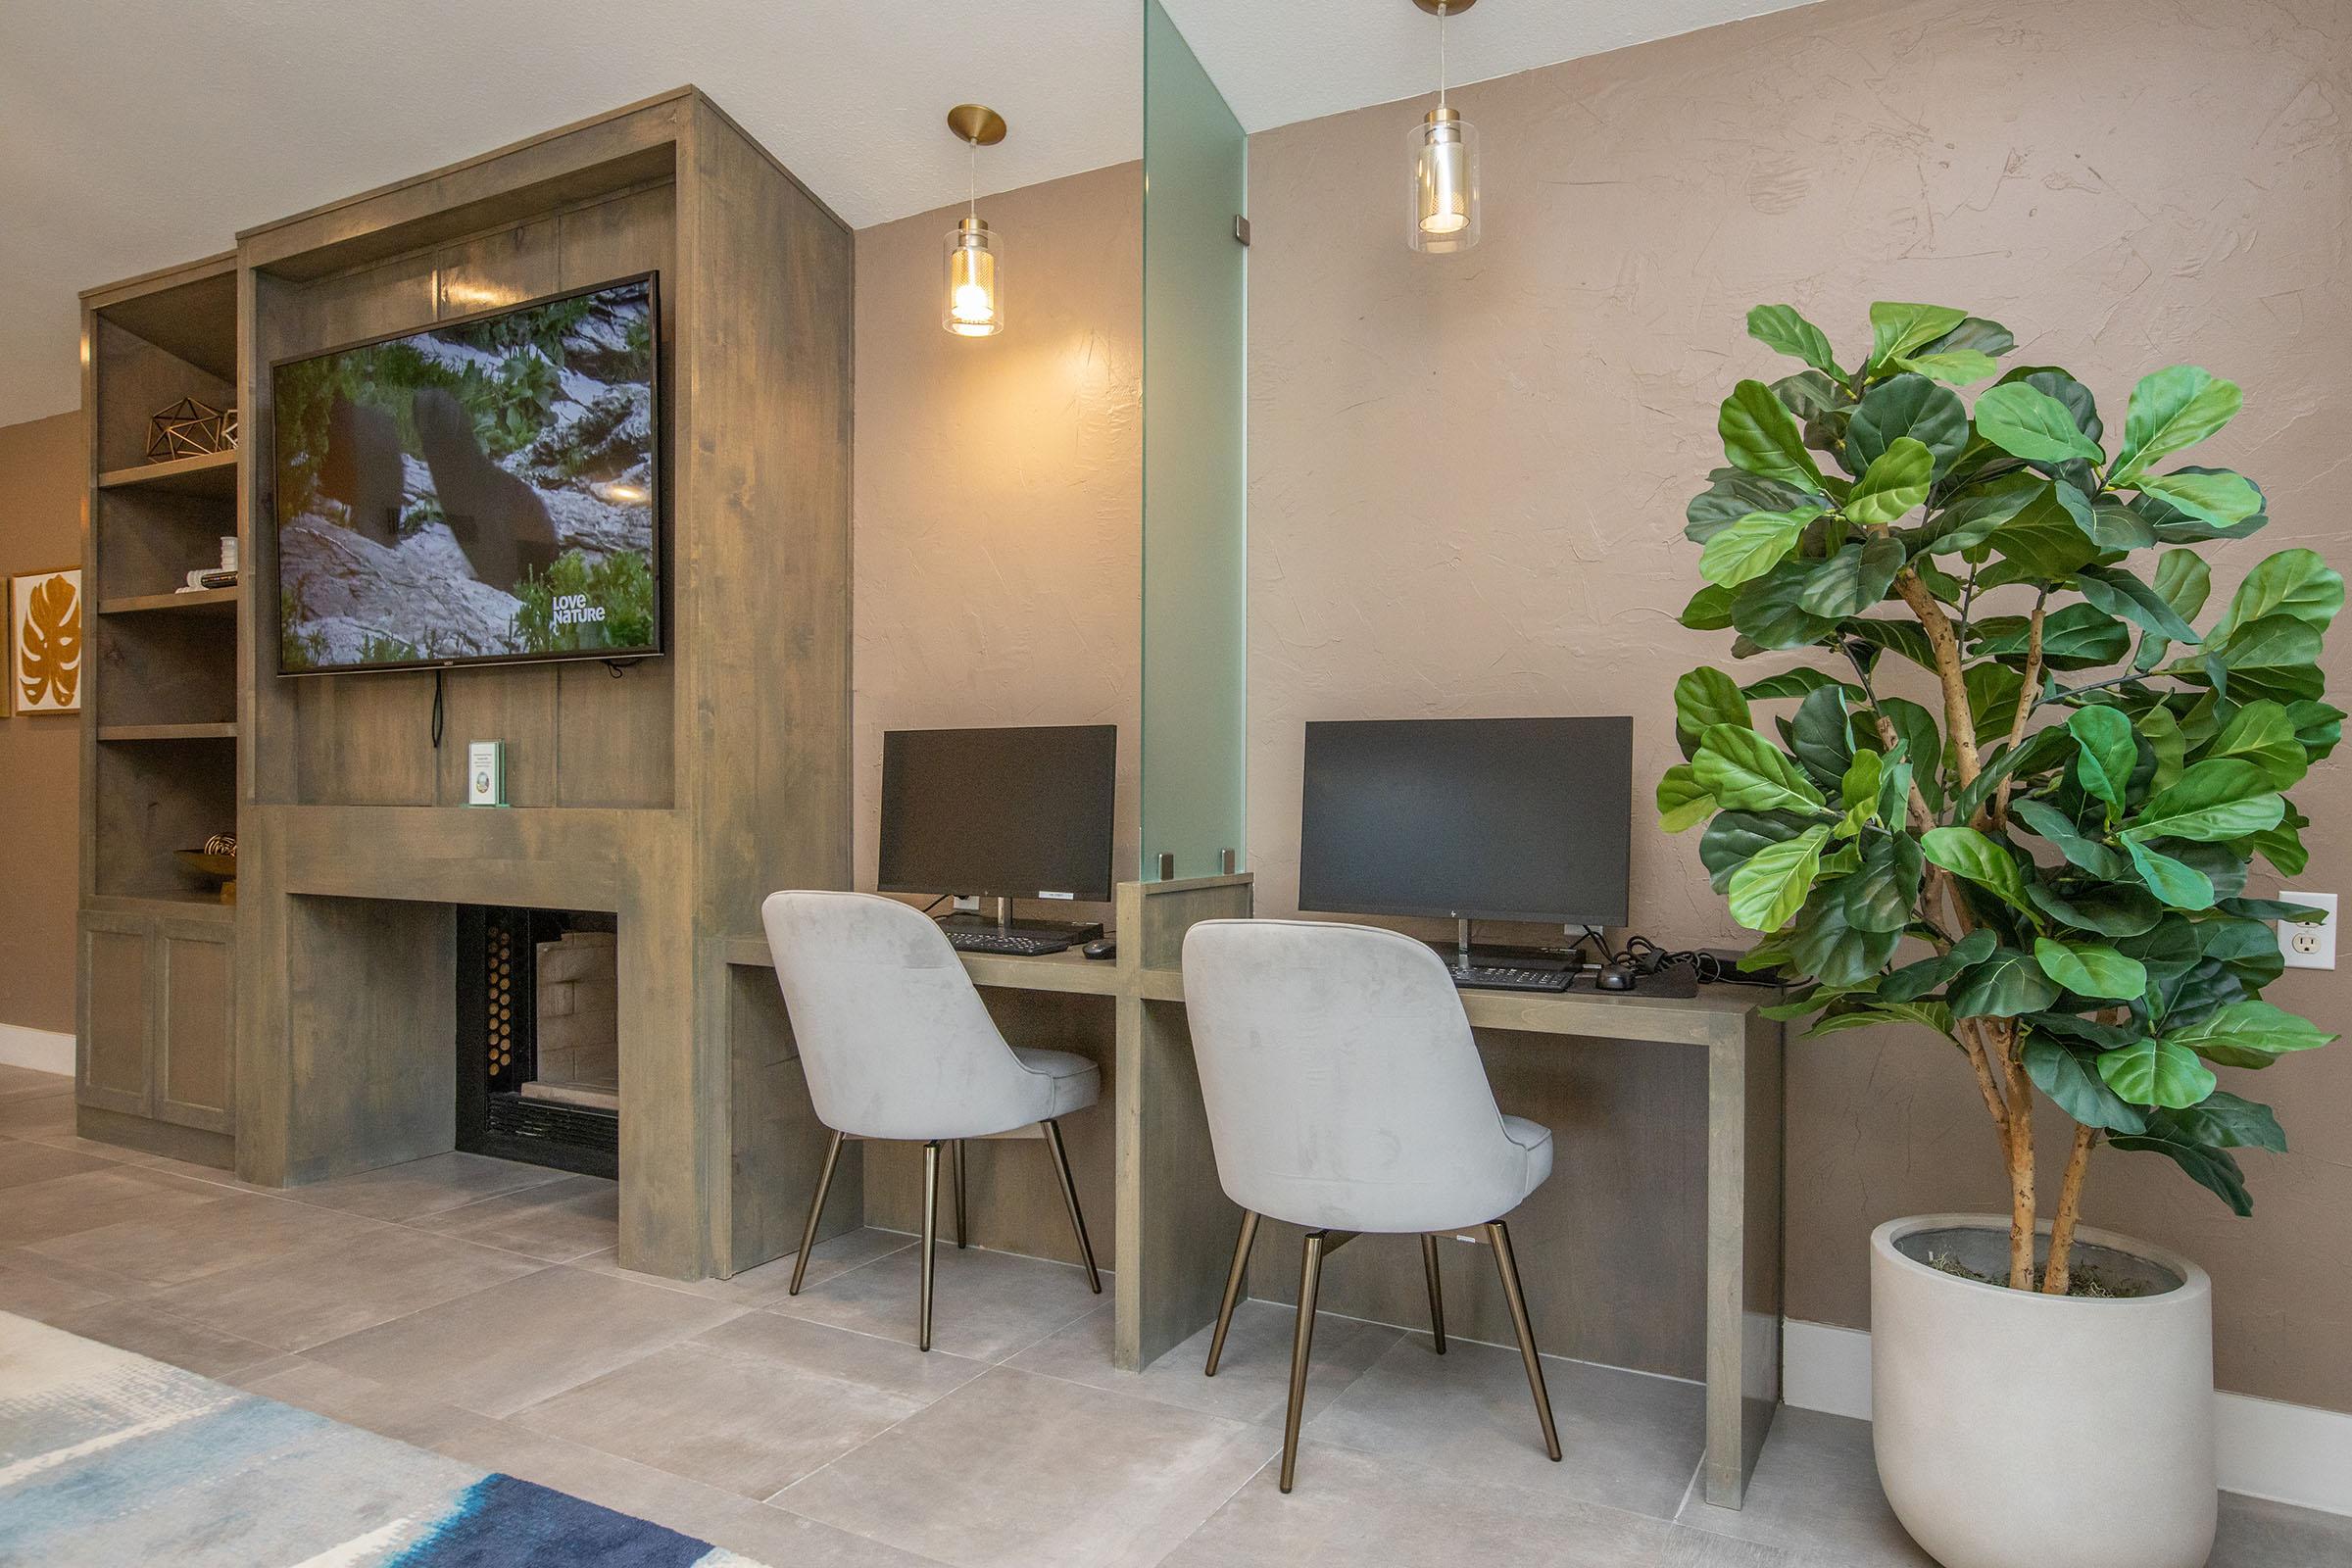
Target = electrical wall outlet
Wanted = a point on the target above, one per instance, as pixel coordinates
(2309, 947)
(966, 903)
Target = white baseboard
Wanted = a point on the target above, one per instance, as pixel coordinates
(2293, 1454)
(41, 1050)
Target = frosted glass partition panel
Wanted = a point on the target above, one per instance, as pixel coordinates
(1196, 185)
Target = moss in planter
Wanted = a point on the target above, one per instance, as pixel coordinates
(2086, 1279)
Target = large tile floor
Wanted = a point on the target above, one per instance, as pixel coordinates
(474, 1307)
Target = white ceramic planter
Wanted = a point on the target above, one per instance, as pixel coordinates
(2015, 1429)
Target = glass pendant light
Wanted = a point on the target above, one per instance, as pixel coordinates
(1444, 212)
(975, 253)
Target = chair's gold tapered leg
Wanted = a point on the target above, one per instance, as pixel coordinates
(1507, 1263)
(1310, 1278)
(930, 1261)
(1437, 1298)
(816, 1210)
(1233, 1287)
(1069, 1195)
(962, 1228)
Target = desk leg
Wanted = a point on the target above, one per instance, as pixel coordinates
(1743, 1251)
(1175, 1224)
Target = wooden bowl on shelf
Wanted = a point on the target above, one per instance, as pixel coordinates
(221, 869)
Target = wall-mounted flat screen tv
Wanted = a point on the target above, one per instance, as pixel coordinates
(486, 489)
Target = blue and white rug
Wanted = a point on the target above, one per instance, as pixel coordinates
(107, 1458)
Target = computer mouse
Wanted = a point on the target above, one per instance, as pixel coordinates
(1101, 948)
(1614, 977)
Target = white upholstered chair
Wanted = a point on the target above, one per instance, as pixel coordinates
(1346, 1094)
(896, 1045)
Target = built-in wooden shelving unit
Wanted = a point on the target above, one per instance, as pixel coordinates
(160, 730)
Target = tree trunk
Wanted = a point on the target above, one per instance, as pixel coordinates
(2060, 1274)
(2021, 1164)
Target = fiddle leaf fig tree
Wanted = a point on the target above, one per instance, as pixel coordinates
(2014, 799)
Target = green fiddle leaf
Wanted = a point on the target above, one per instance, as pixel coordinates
(1966, 852)
(2003, 986)
(2111, 523)
(1897, 328)
(1781, 328)
(1907, 406)
(2085, 854)
(1706, 696)
(1932, 1015)
(2028, 424)
(1769, 890)
(1732, 493)
(1969, 518)
(2295, 583)
(2210, 1168)
(2262, 734)
(1975, 332)
(2172, 409)
(2225, 1121)
(1734, 837)
(2176, 883)
(2075, 637)
(2156, 1072)
(2113, 910)
(1854, 578)
(2091, 970)
(1752, 546)
(1956, 366)
(2283, 846)
(2248, 1034)
(1858, 791)
(2119, 593)
(2043, 540)
(1760, 435)
(2225, 797)
(1767, 613)
(1895, 482)
(1745, 772)
(1904, 637)
(2318, 727)
(2109, 753)
(1681, 802)
(2276, 656)
(1822, 734)
(2221, 499)
(1915, 980)
(1802, 681)
(1881, 896)
(1813, 396)
(2175, 526)
(1709, 610)
(1922, 740)
(2162, 732)
(2070, 1076)
(1834, 950)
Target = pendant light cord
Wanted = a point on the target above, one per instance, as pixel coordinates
(971, 183)
(1441, 7)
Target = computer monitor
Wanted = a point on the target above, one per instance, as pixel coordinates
(1468, 819)
(1020, 812)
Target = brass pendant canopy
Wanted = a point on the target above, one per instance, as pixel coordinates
(1453, 8)
(977, 123)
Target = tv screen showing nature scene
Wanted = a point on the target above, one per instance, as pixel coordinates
(484, 489)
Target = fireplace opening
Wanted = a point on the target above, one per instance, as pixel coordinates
(539, 1037)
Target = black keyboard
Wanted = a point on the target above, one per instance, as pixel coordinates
(1482, 977)
(996, 941)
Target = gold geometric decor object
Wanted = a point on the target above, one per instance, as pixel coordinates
(44, 641)
(190, 428)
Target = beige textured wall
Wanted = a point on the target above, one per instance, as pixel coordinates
(998, 485)
(44, 469)
(1467, 473)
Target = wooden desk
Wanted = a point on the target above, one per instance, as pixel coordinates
(1175, 1227)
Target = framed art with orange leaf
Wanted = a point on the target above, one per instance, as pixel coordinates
(44, 641)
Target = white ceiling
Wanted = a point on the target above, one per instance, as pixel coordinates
(138, 133)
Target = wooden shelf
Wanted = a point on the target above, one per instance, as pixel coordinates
(212, 474)
(202, 903)
(204, 601)
(109, 733)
